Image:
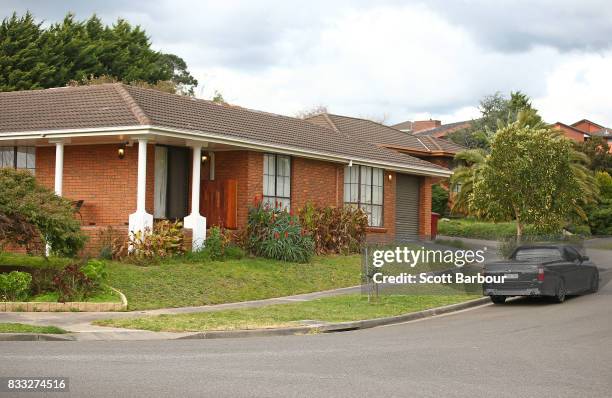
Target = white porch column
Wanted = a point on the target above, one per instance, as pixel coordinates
(195, 221)
(140, 220)
(59, 167)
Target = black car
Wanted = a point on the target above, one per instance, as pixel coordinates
(542, 270)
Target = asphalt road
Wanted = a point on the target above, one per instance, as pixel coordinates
(526, 348)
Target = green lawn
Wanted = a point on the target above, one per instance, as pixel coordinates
(176, 284)
(107, 296)
(330, 309)
(23, 328)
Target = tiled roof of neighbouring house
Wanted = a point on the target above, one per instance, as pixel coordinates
(379, 134)
(115, 105)
(445, 128)
(602, 133)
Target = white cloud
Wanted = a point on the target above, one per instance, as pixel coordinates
(404, 59)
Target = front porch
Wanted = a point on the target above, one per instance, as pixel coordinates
(128, 182)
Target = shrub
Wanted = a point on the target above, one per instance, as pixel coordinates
(165, 241)
(277, 234)
(216, 243)
(600, 218)
(27, 204)
(96, 272)
(334, 229)
(439, 199)
(469, 228)
(15, 285)
(72, 284)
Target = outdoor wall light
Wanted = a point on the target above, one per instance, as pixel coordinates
(204, 158)
(390, 177)
(121, 152)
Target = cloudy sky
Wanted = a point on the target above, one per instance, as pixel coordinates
(405, 60)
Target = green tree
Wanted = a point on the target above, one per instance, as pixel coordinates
(71, 50)
(23, 65)
(439, 199)
(532, 175)
(496, 111)
(597, 150)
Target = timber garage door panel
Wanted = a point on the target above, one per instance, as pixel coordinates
(407, 208)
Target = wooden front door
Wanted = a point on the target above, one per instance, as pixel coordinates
(218, 202)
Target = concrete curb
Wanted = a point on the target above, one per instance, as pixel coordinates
(36, 337)
(136, 335)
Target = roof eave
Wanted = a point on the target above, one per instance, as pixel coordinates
(223, 139)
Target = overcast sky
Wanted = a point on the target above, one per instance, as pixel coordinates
(404, 59)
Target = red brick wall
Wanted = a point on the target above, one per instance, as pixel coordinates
(570, 133)
(425, 208)
(95, 174)
(317, 181)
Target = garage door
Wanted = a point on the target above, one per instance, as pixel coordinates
(407, 208)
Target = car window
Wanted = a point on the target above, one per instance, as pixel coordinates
(572, 254)
(537, 253)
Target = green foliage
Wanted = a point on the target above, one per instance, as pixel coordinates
(143, 247)
(604, 182)
(469, 228)
(22, 198)
(33, 57)
(334, 229)
(532, 175)
(597, 150)
(96, 271)
(218, 247)
(600, 218)
(439, 199)
(496, 111)
(15, 286)
(72, 284)
(277, 234)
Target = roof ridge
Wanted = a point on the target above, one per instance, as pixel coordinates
(132, 105)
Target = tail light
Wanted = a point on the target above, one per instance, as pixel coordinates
(541, 274)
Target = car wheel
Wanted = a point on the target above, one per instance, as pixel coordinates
(595, 282)
(498, 299)
(560, 296)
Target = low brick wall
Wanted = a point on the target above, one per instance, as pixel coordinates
(15, 306)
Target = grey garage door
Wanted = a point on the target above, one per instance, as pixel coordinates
(407, 208)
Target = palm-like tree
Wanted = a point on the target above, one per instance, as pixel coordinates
(464, 177)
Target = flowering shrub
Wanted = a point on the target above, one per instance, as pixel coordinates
(275, 233)
(14, 286)
(334, 229)
(72, 284)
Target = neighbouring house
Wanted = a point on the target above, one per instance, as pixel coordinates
(432, 128)
(584, 129)
(132, 155)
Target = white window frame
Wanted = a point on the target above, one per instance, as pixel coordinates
(277, 187)
(364, 189)
(20, 158)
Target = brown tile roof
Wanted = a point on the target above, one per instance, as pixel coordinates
(369, 131)
(407, 125)
(445, 129)
(110, 105)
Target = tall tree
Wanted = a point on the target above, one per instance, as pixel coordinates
(22, 64)
(71, 50)
(532, 175)
(496, 111)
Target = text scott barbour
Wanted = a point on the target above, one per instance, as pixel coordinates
(409, 257)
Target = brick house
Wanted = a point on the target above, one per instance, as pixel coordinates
(584, 129)
(133, 155)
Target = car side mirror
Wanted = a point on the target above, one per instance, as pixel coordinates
(585, 258)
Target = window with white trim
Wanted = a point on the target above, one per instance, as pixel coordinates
(363, 188)
(277, 180)
(18, 157)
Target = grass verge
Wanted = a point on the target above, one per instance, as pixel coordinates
(23, 328)
(330, 309)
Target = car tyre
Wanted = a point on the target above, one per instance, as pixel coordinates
(594, 282)
(561, 292)
(498, 299)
